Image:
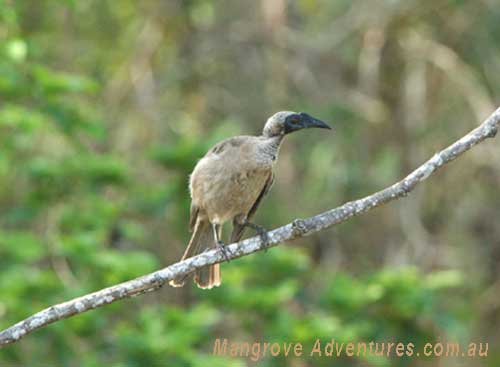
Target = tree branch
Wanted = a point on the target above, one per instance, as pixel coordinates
(298, 228)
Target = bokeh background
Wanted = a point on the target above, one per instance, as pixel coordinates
(105, 106)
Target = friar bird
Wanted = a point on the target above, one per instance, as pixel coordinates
(229, 182)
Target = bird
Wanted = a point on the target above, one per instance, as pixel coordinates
(229, 183)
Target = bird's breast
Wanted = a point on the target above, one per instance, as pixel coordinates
(225, 189)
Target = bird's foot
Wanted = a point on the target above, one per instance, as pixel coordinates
(262, 232)
(222, 247)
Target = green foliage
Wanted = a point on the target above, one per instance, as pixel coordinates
(105, 107)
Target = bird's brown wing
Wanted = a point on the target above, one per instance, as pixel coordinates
(238, 228)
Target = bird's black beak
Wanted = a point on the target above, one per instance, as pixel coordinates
(302, 120)
(308, 121)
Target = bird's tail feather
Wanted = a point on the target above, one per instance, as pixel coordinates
(202, 238)
(208, 277)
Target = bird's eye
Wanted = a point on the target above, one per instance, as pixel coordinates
(295, 120)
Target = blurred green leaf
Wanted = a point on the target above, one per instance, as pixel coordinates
(17, 50)
(56, 82)
(17, 246)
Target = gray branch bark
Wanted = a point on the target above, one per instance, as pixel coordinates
(298, 228)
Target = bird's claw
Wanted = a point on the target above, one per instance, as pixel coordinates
(262, 232)
(222, 247)
(264, 236)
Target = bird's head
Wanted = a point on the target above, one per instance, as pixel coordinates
(285, 122)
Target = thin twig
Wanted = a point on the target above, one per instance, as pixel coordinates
(298, 228)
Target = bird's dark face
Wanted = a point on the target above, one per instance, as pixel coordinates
(286, 122)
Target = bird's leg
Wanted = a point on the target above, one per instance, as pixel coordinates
(261, 231)
(220, 245)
